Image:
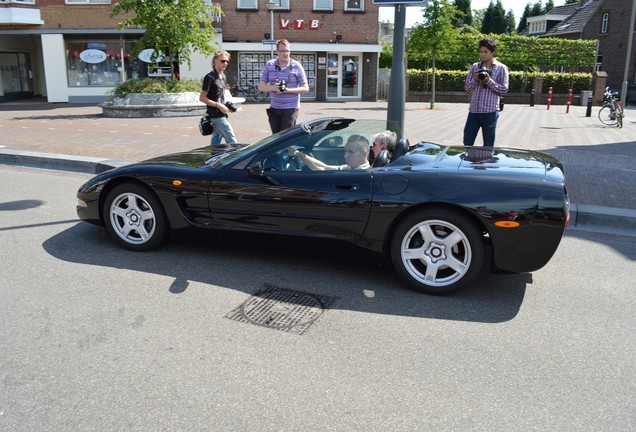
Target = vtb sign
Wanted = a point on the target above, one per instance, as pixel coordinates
(299, 24)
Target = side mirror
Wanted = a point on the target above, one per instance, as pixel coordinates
(255, 170)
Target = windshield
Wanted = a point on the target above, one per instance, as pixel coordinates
(323, 136)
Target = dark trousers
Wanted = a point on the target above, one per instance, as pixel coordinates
(488, 124)
(281, 119)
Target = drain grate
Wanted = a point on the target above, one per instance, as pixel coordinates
(282, 309)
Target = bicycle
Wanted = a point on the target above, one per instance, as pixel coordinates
(250, 92)
(611, 113)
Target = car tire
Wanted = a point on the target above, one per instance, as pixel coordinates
(437, 251)
(134, 218)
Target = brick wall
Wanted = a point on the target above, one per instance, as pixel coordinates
(613, 44)
(251, 25)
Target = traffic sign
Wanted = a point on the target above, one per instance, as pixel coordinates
(269, 41)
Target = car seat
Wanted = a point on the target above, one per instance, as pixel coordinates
(401, 148)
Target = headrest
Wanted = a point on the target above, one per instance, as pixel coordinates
(401, 147)
(381, 159)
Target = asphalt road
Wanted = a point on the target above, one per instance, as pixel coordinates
(97, 338)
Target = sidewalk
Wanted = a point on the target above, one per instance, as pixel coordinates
(598, 159)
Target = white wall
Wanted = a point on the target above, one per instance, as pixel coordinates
(201, 65)
(54, 67)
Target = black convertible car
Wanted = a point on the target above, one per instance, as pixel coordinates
(432, 212)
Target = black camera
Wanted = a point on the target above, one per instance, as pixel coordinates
(282, 85)
(482, 73)
(231, 106)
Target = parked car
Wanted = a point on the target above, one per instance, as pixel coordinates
(432, 212)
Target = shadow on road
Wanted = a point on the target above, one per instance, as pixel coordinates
(358, 285)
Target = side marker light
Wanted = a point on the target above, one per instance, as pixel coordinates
(177, 182)
(507, 224)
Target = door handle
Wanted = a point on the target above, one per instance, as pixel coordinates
(352, 187)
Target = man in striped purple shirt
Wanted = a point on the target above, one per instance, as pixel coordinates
(285, 79)
(487, 83)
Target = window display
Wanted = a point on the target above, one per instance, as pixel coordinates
(102, 62)
(250, 66)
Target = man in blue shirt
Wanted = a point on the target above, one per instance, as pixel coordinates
(286, 80)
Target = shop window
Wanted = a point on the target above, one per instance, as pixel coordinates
(323, 5)
(283, 4)
(250, 66)
(354, 5)
(103, 63)
(246, 4)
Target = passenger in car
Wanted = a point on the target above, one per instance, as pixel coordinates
(384, 141)
(356, 152)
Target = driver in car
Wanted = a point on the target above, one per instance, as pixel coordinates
(356, 152)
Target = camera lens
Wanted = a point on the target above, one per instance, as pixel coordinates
(231, 106)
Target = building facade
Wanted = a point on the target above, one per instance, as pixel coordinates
(607, 21)
(73, 51)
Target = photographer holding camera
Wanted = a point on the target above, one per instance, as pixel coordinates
(213, 95)
(285, 79)
(487, 83)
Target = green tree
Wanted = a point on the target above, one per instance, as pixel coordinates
(510, 23)
(523, 21)
(549, 5)
(537, 9)
(494, 19)
(464, 7)
(435, 35)
(572, 1)
(176, 28)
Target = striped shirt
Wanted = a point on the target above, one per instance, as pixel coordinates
(293, 74)
(486, 100)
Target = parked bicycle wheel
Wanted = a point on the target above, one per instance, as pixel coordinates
(607, 116)
(258, 96)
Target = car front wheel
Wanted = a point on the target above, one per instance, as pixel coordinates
(437, 251)
(134, 218)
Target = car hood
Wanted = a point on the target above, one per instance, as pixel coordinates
(193, 158)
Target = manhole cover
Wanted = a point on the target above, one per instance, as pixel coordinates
(282, 309)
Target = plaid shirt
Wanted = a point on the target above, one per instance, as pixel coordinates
(486, 100)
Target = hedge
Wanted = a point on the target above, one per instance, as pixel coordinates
(453, 81)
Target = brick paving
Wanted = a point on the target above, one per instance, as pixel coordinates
(598, 159)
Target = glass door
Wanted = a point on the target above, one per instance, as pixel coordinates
(15, 76)
(343, 76)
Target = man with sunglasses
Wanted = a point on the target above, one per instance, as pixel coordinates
(286, 80)
(213, 95)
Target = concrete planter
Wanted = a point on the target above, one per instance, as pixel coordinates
(138, 105)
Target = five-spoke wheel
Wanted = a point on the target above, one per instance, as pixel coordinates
(437, 251)
(134, 217)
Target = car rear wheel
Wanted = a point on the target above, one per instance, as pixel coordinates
(134, 218)
(437, 251)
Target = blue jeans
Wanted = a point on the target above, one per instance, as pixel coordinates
(488, 124)
(222, 129)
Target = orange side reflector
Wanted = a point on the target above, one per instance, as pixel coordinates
(177, 182)
(507, 224)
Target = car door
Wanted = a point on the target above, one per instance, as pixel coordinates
(329, 209)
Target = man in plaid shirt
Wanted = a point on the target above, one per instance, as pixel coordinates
(487, 83)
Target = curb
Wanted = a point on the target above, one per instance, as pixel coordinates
(609, 220)
(82, 164)
(583, 217)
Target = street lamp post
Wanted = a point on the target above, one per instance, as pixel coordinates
(271, 6)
